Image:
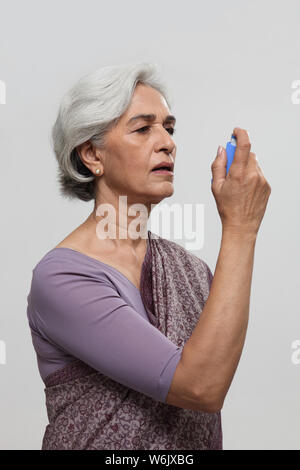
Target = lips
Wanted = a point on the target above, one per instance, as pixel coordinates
(167, 166)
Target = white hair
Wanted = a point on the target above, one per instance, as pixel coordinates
(87, 112)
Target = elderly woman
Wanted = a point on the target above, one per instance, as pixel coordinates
(137, 343)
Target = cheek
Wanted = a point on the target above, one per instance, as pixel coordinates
(135, 163)
(129, 156)
(139, 171)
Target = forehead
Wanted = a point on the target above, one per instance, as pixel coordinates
(144, 93)
(147, 104)
(146, 99)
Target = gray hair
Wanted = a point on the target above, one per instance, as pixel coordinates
(87, 112)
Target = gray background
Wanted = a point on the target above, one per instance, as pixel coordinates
(226, 64)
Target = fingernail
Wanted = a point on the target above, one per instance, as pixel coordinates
(220, 151)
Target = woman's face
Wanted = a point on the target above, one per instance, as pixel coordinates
(134, 148)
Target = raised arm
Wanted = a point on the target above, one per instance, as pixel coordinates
(211, 355)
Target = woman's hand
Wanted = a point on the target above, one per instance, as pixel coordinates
(243, 194)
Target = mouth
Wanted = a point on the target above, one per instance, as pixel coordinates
(164, 168)
(161, 171)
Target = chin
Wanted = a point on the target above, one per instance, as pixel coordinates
(159, 196)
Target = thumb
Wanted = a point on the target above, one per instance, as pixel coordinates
(218, 167)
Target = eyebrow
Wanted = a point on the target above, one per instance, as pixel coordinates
(152, 117)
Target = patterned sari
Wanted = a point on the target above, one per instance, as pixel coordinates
(89, 411)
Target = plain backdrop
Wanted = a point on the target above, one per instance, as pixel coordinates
(226, 64)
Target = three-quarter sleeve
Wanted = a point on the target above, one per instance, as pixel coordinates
(86, 317)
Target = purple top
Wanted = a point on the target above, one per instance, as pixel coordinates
(82, 308)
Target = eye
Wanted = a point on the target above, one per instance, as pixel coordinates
(171, 130)
(143, 129)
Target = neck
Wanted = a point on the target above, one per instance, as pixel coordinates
(110, 221)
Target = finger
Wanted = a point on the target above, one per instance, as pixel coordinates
(258, 166)
(252, 159)
(218, 166)
(253, 163)
(243, 147)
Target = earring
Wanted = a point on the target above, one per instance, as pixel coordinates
(97, 171)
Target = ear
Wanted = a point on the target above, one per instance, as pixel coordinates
(90, 156)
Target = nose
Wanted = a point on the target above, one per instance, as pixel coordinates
(166, 144)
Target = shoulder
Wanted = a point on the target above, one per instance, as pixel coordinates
(63, 283)
(60, 266)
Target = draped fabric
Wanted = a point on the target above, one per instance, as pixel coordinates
(89, 411)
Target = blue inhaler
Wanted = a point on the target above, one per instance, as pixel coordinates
(230, 151)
